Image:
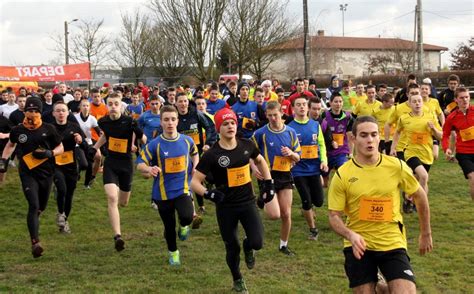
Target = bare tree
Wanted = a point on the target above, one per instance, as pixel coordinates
(378, 63)
(404, 55)
(254, 30)
(89, 45)
(133, 45)
(195, 26)
(166, 57)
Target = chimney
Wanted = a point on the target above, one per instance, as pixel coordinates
(320, 33)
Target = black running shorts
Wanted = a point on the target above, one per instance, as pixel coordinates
(394, 264)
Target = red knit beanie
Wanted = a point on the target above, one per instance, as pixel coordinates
(222, 115)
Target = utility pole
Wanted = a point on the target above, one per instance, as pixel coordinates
(421, 62)
(343, 8)
(413, 61)
(66, 42)
(307, 41)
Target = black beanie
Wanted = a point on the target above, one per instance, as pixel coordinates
(34, 103)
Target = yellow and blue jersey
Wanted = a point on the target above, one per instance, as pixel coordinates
(313, 148)
(173, 157)
(269, 142)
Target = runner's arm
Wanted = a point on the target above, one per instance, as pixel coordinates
(58, 149)
(396, 138)
(358, 243)
(196, 183)
(8, 150)
(100, 142)
(262, 167)
(422, 206)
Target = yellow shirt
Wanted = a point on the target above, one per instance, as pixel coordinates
(401, 109)
(357, 99)
(418, 135)
(382, 115)
(366, 108)
(370, 197)
(273, 96)
(433, 105)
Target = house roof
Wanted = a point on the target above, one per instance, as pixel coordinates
(357, 43)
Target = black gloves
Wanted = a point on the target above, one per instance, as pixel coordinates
(250, 124)
(41, 153)
(215, 196)
(3, 165)
(91, 153)
(267, 192)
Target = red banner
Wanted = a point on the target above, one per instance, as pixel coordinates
(46, 73)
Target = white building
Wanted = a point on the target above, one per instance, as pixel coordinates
(349, 56)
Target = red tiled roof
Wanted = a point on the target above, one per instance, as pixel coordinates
(327, 42)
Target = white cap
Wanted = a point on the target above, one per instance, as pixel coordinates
(427, 81)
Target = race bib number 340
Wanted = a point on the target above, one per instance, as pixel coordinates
(377, 209)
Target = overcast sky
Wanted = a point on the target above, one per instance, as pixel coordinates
(26, 27)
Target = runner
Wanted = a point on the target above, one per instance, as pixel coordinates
(195, 124)
(118, 132)
(250, 115)
(307, 171)
(66, 171)
(340, 123)
(366, 189)
(136, 108)
(88, 123)
(170, 159)
(226, 165)
(149, 121)
(382, 115)
(369, 105)
(419, 128)
(5, 128)
(18, 115)
(434, 107)
(279, 145)
(7, 108)
(36, 143)
(461, 121)
(214, 103)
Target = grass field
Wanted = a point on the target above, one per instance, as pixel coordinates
(86, 261)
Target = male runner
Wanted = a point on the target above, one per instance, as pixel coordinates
(118, 131)
(170, 159)
(366, 189)
(36, 144)
(307, 171)
(226, 165)
(279, 145)
(461, 121)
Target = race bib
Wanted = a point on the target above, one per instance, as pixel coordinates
(309, 152)
(245, 121)
(195, 137)
(451, 106)
(135, 116)
(467, 134)
(281, 163)
(338, 138)
(419, 138)
(66, 157)
(238, 176)
(32, 162)
(175, 164)
(118, 145)
(375, 209)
